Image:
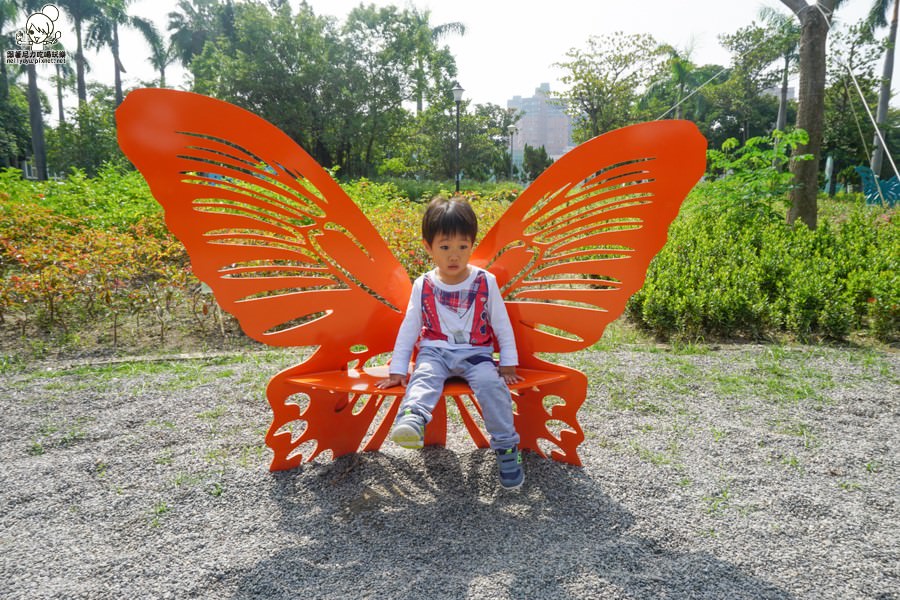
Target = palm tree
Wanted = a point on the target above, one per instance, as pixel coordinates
(426, 39)
(35, 109)
(682, 76)
(8, 13)
(195, 23)
(878, 18)
(81, 11)
(9, 116)
(161, 53)
(64, 78)
(787, 32)
(36, 118)
(679, 74)
(104, 31)
(815, 20)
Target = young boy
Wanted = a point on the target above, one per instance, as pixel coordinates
(455, 314)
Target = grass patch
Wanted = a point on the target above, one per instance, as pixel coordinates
(720, 500)
(624, 398)
(58, 434)
(718, 434)
(622, 333)
(216, 456)
(251, 456)
(778, 377)
(792, 461)
(799, 429)
(157, 512)
(648, 455)
(188, 479)
(873, 466)
(176, 374)
(213, 414)
(873, 365)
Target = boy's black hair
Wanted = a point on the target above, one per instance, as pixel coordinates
(449, 216)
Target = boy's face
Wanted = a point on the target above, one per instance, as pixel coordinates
(450, 254)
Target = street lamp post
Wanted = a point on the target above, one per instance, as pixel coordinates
(512, 132)
(457, 97)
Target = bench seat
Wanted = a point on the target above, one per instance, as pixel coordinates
(350, 400)
(354, 381)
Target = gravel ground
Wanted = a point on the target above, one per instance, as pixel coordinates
(736, 472)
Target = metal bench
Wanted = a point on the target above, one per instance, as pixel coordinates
(879, 192)
(289, 254)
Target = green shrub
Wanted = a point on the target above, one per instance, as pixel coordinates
(116, 198)
(417, 190)
(727, 272)
(423, 190)
(84, 248)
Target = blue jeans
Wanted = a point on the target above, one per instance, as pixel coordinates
(435, 365)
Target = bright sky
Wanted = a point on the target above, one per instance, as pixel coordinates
(510, 45)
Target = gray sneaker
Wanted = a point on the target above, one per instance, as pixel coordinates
(409, 430)
(512, 475)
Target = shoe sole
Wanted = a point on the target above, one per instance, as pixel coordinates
(513, 487)
(407, 437)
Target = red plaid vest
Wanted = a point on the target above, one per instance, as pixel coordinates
(480, 333)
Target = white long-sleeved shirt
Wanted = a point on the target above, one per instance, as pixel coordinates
(410, 332)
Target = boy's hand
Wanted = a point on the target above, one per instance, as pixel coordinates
(393, 380)
(510, 376)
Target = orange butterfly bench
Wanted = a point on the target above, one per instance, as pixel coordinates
(292, 257)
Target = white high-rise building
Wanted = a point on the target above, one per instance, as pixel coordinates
(543, 123)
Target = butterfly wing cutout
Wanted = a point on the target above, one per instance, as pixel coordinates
(574, 247)
(282, 246)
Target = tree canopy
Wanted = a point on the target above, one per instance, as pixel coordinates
(370, 95)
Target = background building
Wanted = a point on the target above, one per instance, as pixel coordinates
(543, 123)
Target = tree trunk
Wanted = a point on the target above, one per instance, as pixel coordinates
(79, 65)
(781, 122)
(679, 111)
(420, 85)
(4, 95)
(884, 94)
(811, 110)
(4, 82)
(119, 69)
(59, 93)
(37, 125)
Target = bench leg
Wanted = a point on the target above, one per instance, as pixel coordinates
(536, 422)
(344, 423)
(329, 421)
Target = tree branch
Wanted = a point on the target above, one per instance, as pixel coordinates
(795, 5)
